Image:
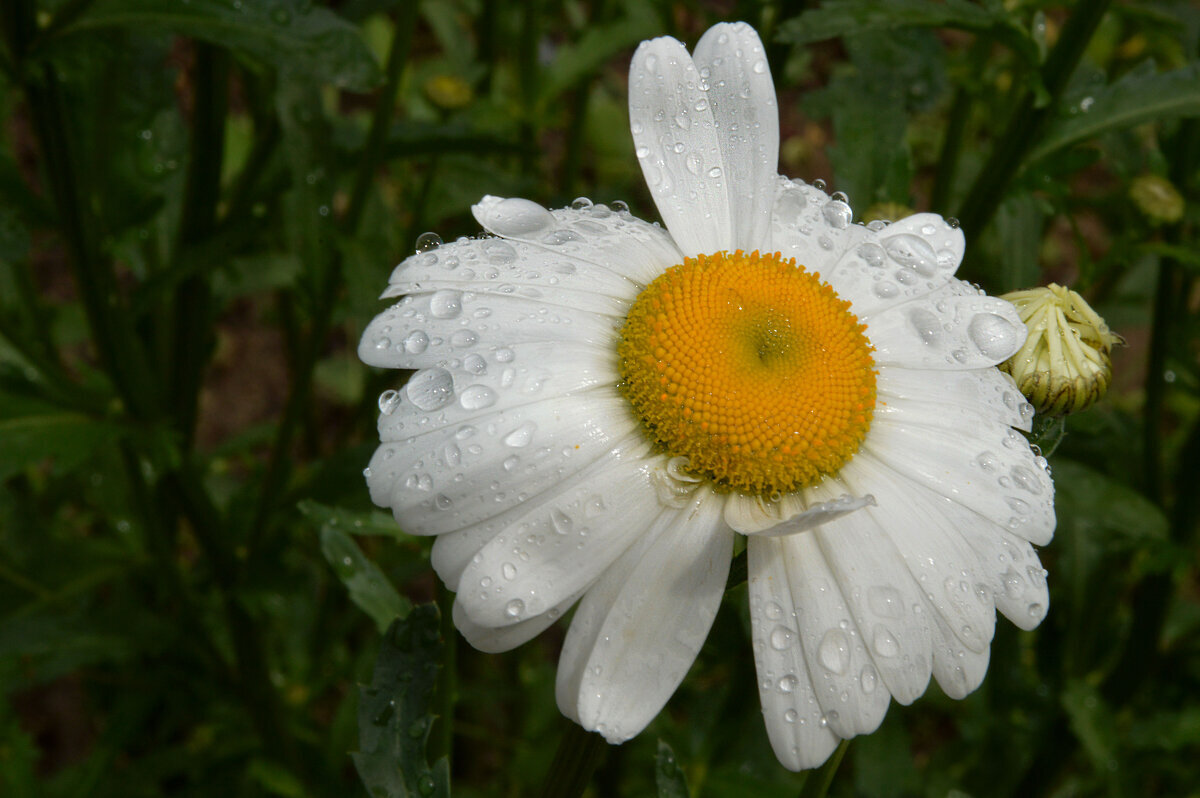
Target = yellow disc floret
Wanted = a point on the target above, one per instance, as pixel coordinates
(751, 368)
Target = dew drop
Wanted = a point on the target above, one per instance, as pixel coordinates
(515, 217)
(788, 683)
(427, 242)
(445, 304)
(521, 436)
(818, 184)
(837, 213)
(868, 679)
(416, 342)
(477, 397)
(790, 716)
(884, 642)
(913, 252)
(994, 336)
(885, 602)
(927, 325)
(508, 571)
(581, 203)
(561, 522)
(781, 637)
(514, 608)
(773, 611)
(388, 402)
(834, 651)
(430, 389)
(886, 290)
(872, 254)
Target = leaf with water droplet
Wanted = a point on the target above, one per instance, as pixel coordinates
(368, 587)
(394, 720)
(668, 777)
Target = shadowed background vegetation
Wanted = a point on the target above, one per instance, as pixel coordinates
(200, 201)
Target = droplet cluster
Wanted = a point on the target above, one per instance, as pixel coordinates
(750, 367)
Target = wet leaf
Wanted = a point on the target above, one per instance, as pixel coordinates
(393, 712)
(291, 35)
(368, 586)
(667, 775)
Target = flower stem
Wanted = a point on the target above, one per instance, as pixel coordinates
(817, 783)
(579, 752)
(1029, 120)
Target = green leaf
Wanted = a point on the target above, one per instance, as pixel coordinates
(67, 438)
(355, 522)
(18, 755)
(368, 587)
(293, 36)
(1141, 96)
(836, 18)
(1092, 722)
(576, 62)
(393, 712)
(667, 775)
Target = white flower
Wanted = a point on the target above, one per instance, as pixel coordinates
(580, 430)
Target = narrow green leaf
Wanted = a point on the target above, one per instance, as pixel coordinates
(583, 59)
(1141, 96)
(667, 775)
(354, 522)
(1093, 724)
(368, 587)
(64, 437)
(393, 712)
(848, 17)
(293, 36)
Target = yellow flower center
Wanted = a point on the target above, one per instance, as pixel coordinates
(751, 368)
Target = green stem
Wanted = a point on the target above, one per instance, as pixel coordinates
(381, 120)
(446, 684)
(816, 785)
(579, 752)
(192, 337)
(1028, 120)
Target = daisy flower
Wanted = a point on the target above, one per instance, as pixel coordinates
(602, 405)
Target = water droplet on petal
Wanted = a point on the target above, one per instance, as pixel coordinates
(781, 637)
(868, 679)
(884, 642)
(521, 436)
(581, 203)
(388, 402)
(788, 683)
(514, 608)
(445, 304)
(995, 336)
(515, 217)
(428, 241)
(430, 389)
(477, 397)
(416, 342)
(913, 252)
(834, 651)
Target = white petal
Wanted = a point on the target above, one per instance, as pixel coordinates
(439, 327)
(792, 715)
(616, 241)
(1014, 572)
(810, 226)
(987, 396)
(989, 469)
(939, 560)
(461, 475)
(493, 641)
(880, 593)
(958, 669)
(533, 564)
(907, 260)
(638, 630)
(678, 147)
(813, 516)
(733, 63)
(953, 327)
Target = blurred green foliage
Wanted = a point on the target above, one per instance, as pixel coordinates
(199, 203)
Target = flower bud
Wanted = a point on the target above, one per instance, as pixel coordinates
(448, 92)
(1155, 197)
(1064, 365)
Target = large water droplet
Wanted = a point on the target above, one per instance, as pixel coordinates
(884, 642)
(781, 637)
(416, 342)
(694, 162)
(1024, 478)
(885, 602)
(927, 325)
(477, 397)
(834, 651)
(913, 252)
(515, 217)
(428, 241)
(561, 522)
(388, 402)
(872, 254)
(788, 683)
(508, 571)
(521, 436)
(445, 304)
(995, 336)
(430, 389)
(837, 213)
(868, 679)
(514, 608)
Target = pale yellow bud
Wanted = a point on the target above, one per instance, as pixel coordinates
(1160, 201)
(1065, 364)
(448, 92)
